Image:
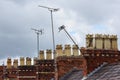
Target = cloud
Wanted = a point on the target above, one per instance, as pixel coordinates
(17, 17)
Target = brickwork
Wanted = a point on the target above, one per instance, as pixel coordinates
(45, 69)
(95, 58)
(27, 72)
(1, 72)
(87, 62)
(67, 63)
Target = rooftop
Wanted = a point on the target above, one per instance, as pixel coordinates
(73, 75)
(107, 72)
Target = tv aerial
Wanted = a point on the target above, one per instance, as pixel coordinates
(38, 32)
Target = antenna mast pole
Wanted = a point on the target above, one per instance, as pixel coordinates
(38, 32)
(63, 28)
(54, 53)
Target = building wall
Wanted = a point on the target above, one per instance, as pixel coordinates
(45, 69)
(94, 58)
(27, 72)
(65, 64)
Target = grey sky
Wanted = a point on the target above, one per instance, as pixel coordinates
(81, 17)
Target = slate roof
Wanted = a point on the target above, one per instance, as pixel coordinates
(73, 75)
(76, 75)
(108, 72)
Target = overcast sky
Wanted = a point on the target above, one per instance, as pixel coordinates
(80, 17)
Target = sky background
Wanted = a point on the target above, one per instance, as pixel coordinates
(80, 17)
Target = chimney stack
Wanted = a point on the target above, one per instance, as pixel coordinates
(106, 42)
(22, 61)
(98, 41)
(15, 63)
(67, 50)
(41, 57)
(28, 61)
(9, 65)
(48, 54)
(59, 50)
(89, 41)
(114, 44)
(35, 59)
(75, 50)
